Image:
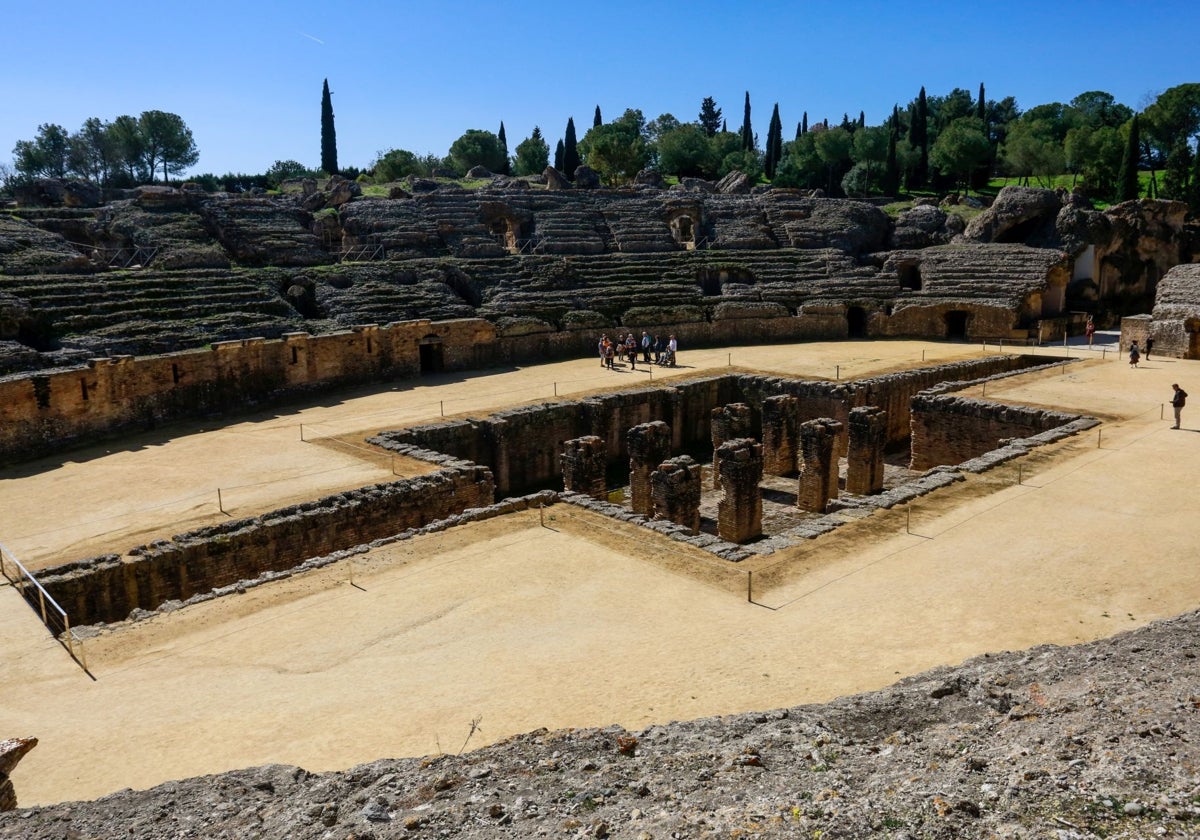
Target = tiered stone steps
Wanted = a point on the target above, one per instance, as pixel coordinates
(999, 274)
(144, 311)
(264, 231)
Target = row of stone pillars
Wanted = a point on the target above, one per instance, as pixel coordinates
(669, 488)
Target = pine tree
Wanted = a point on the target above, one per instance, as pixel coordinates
(328, 134)
(747, 131)
(570, 151)
(918, 133)
(774, 149)
(1127, 181)
(505, 168)
(558, 156)
(597, 121)
(710, 116)
(804, 123)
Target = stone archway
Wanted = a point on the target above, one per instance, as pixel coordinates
(684, 226)
(504, 230)
(431, 354)
(856, 322)
(956, 323)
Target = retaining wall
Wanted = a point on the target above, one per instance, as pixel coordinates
(950, 430)
(109, 588)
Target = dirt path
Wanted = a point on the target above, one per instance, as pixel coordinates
(590, 622)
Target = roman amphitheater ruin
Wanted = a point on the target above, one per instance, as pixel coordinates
(319, 478)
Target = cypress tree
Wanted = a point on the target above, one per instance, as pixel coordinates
(774, 143)
(799, 130)
(862, 119)
(710, 116)
(747, 131)
(1127, 181)
(981, 106)
(918, 133)
(570, 151)
(891, 171)
(724, 126)
(328, 135)
(558, 156)
(596, 120)
(804, 123)
(505, 168)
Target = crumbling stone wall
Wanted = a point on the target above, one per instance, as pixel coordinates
(818, 482)
(675, 489)
(584, 465)
(649, 446)
(739, 512)
(949, 430)
(1175, 327)
(864, 457)
(522, 446)
(780, 434)
(12, 750)
(108, 588)
(728, 422)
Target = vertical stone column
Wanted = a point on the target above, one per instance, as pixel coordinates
(864, 458)
(729, 422)
(583, 465)
(838, 430)
(818, 464)
(675, 490)
(649, 445)
(780, 425)
(739, 513)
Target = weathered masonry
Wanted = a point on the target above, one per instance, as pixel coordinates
(523, 447)
(644, 436)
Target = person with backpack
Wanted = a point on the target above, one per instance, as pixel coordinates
(1178, 399)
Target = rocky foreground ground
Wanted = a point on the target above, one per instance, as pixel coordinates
(1098, 740)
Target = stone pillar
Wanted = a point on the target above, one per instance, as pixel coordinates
(12, 750)
(649, 445)
(818, 464)
(675, 490)
(583, 466)
(780, 424)
(729, 422)
(864, 458)
(739, 513)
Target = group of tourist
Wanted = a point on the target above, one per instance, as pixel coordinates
(629, 346)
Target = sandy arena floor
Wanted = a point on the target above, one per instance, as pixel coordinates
(511, 626)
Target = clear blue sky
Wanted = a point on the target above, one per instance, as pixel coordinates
(246, 76)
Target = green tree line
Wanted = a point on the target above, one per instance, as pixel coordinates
(126, 151)
(956, 141)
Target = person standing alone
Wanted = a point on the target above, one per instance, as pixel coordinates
(1178, 400)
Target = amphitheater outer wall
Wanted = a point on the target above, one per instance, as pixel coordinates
(44, 412)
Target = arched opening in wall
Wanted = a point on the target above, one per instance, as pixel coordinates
(683, 231)
(504, 230)
(1054, 300)
(910, 277)
(956, 324)
(710, 282)
(430, 348)
(856, 322)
